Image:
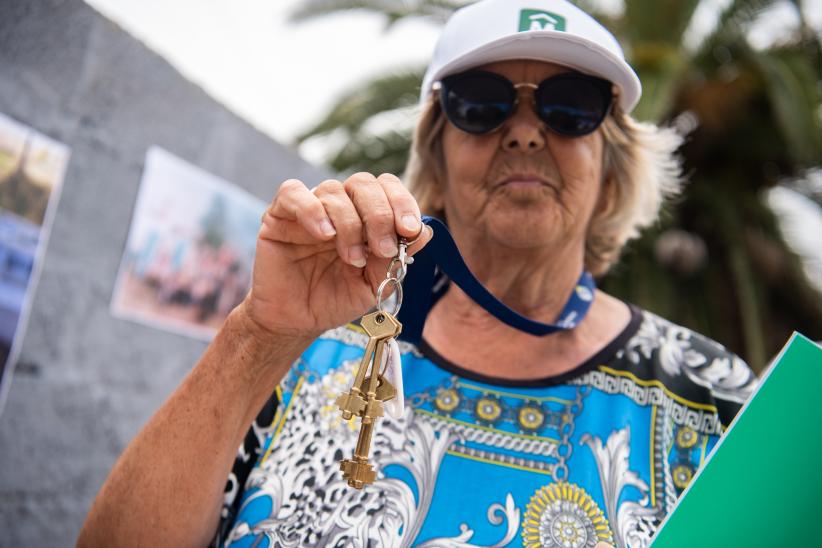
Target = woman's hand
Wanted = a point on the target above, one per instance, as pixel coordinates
(321, 254)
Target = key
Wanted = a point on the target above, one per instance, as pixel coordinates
(380, 327)
(358, 471)
(385, 390)
(368, 392)
(384, 326)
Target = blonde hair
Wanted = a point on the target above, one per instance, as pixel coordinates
(640, 166)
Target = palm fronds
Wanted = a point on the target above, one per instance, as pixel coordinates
(393, 91)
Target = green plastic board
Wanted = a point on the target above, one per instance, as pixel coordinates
(762, 485)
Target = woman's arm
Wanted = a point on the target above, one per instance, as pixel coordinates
(320, 256)
(167, 487)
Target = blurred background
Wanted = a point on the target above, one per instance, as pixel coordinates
(104, 102)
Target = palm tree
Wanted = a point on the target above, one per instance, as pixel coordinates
(717, 261)
(756, 122)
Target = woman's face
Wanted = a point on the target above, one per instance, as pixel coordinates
(522, 186)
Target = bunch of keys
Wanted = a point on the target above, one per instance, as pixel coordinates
(371, 389)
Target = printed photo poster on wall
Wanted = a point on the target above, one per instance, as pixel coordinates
(190, 248)
(32, 167)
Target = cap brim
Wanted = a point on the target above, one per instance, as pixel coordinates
(560, 47)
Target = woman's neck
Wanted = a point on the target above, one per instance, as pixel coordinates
(464, 333)
(475, 340)
(536, 282)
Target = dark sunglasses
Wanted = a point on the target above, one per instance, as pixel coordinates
(570, 103)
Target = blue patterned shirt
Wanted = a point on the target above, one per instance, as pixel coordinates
(600, 453)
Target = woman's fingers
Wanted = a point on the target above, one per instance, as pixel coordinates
(346, 221)
(375, 211)
(294, 202)
(365, 214)
(424, 237)
(405, 208)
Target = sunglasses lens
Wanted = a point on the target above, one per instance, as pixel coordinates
(573, 105)
(477, 102)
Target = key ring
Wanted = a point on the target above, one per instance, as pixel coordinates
(401, 261)
(397, 269)
(385, 283)
(401, 269)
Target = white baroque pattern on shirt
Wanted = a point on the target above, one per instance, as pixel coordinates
(496, 515)
(313, 505)
(726, 376)
(632, 523)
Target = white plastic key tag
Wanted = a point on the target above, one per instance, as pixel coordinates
(393, 373)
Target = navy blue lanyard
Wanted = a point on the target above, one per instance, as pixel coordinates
(440, 261)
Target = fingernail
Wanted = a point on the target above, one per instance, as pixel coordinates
(388, 247)
(327, 228)
(356, 255)
(410, 222)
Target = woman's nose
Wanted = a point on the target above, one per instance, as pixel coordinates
(524, 131)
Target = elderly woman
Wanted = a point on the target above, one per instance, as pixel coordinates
(583, 436)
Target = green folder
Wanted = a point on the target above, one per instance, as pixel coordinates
(762, 485)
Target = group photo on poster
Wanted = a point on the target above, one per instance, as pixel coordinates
(190, 248)
(32, 167)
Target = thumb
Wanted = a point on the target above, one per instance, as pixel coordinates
(425, 236)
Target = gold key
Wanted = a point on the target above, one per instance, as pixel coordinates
(380, 327)
(358, 471)
(385, 390)
(368, 392)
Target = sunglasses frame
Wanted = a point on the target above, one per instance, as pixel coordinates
(609, 94)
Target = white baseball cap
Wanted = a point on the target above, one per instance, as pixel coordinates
(543, 30)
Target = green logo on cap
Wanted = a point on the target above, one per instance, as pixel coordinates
(540, 20)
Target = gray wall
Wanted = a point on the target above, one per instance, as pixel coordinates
(86, 381)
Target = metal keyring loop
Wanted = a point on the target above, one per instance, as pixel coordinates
(385, 283)
(399, 273)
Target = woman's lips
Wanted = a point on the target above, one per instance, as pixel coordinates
(523, 181)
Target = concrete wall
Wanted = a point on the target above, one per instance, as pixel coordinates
(86, 381)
